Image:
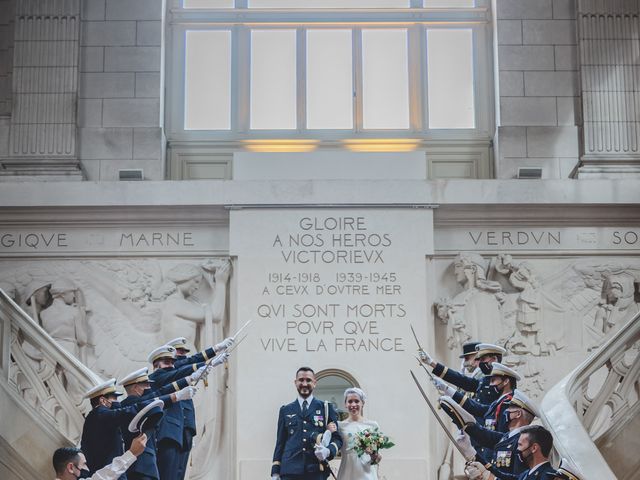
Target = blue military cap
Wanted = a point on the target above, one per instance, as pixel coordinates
(147, 418)
(469, 348)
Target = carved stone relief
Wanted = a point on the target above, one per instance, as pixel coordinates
(548, 313)
(110, 314)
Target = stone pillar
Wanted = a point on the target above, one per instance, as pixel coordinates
(537, 87)
(609, 45)
(42, 141)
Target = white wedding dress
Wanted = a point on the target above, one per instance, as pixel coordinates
(351, 466)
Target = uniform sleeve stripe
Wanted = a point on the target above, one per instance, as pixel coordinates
(195, 367)
(275, 463)
(444, 372)
(176, 386)
(206, 357)
(464, 399)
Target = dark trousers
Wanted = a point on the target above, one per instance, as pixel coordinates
(169, 460)
(139, 476)
(184, 454)
(306, 476)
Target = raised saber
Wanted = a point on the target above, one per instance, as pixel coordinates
(416, 337)
(444, 427)
(229, 350)
(242, 328)
(426, 370)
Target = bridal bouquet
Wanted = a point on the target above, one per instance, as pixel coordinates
(368, 442)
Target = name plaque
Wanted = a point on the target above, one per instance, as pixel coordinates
(69, 241)
(456, 239)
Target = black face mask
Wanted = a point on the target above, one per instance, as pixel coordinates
(491, 393)
(115, 405)
(521, 456)
(146, 391)
(486, 367)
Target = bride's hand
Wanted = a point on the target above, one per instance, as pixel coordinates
(332, 427)
(375, 458)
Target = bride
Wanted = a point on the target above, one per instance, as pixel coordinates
(353, 467)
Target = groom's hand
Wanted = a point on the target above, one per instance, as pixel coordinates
(322, 453)
(275, 477)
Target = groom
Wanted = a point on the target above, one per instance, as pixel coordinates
(301, 423)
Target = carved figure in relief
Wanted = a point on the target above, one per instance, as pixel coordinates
(65, 318)
(618, 302)
(532, 303)
(480, 300)
(184, 317)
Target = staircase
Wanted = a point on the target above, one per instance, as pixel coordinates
(41, 403)
(594, 412)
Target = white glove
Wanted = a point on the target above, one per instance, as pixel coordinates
(275, 477)
(186, 393)
(476, 471)
(220, 359)
(326, 438)
(202, 372)
(321, 453)
(464, 442)
(365, 459)
(223, 345)
(443, 387)
(425, 357)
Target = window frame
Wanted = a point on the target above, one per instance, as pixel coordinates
(240, 20)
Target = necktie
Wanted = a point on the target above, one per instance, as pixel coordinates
(305, 405)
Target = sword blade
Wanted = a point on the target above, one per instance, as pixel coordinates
(242, 328)
(235, 344)
(444, 427)
(415, 336)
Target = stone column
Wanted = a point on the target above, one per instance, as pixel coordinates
(609, 46)
(42, 137)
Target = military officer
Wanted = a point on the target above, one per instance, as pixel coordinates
(479, 383)
(295, 457)
(503, 381)
(534, 446)
(170, 436)
(505, 463)
(188, 409)
(469, 362)
(137, 385)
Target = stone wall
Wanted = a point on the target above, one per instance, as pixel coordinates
(537, 89)
(119, 104)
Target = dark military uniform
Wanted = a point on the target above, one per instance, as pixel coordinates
(493, 416)
(478, 387)
(505, 463)
(293, 456)
(101, 435)
(169, 436)
(145, 467)
(543, 472)
(188, 409)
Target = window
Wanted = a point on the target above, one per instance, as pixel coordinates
(334, 71)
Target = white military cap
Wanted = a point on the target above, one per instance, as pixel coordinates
(148, 417)
(520, 400)
(139, 376)
(567, 470)
(497, 369)
(165, 351)
(106, 388)
(489, 348)
(179, 342)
